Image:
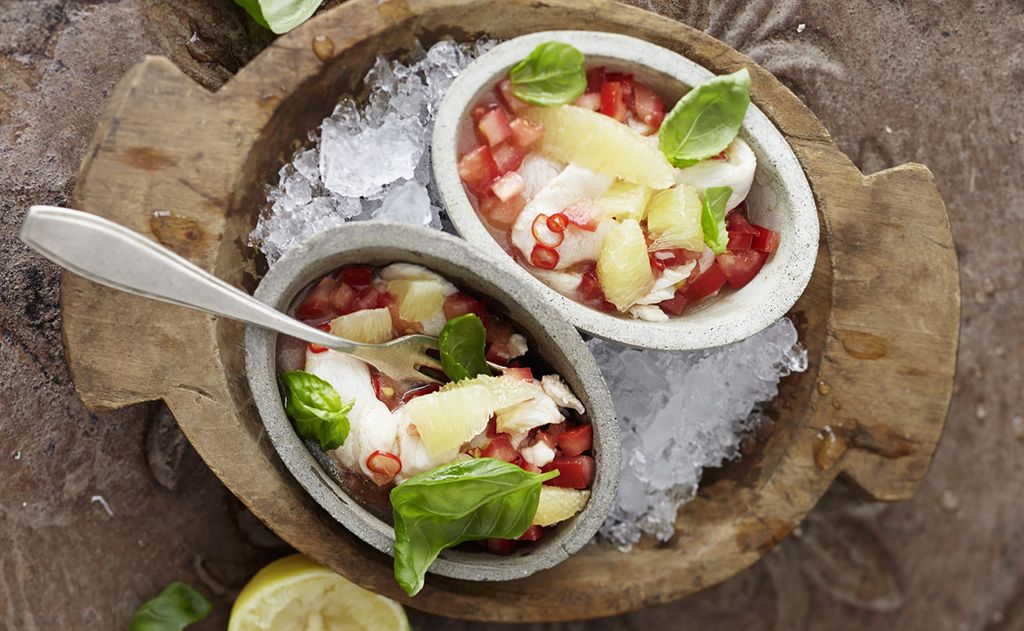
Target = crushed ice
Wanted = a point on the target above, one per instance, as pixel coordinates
(679, 412)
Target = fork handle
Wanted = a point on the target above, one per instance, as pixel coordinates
(112, 255)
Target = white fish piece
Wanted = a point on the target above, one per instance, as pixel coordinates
(564, 283)
(537, 170)
(538, 454)
(571, 185)
(520, 418)
(664, 287)
(372, 426)
(649, 313)
(517, 346)
(736, 172)
(557, 389)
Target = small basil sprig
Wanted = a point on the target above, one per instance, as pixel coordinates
(462, 343)
(551, 75)
(705, 120)
(280, 16)
(460, 501)
(171, 610)
(316, 408)
(712, 217)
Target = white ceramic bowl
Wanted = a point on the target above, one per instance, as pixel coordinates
(780, 198)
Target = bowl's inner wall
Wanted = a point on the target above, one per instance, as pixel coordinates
(302, 112)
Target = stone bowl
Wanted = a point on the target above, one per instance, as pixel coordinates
(554, 339)
(782, 198)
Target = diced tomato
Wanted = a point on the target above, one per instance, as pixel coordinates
(706, 284)
(676, 256)
(613, 101)
(501, 214)
(507, 157)
(595, 79)
(675, 305)
(555, 430)
(526, 133)
(384, 466)
(740, 241)
(657, 264)
(525, 465)
(504, 547)
(460, 304)
(501, 448)
(510, 100)
(558, 222)
(590, 286)
(523, 374)
(343, 297)
(508, 186)
(533, 533)
(574, 472)
(544, 257)
(357, 276)
(736, 221)
(583, 214)
(492, 427)
(575, 441)
(316, 348)
(647, 105)
(544, 235)
(618, 77)
(590, 101)
(478, 169)
(493, 126)
(741, 267)
(367, 299)
(766, 240)
(317, 303)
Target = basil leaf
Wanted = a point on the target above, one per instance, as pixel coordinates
(316, 408)
(172, 610)
(460, 501)
(705, 120)
(280, 16)
(462, 343)
(551, 75)
(712, 217)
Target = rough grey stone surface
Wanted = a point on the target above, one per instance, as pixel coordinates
(934, 81)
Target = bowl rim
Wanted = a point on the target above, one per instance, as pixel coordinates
(319, 255)
(800, 245)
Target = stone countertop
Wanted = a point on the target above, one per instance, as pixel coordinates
(98, 511)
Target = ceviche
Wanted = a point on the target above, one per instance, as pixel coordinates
(585, 179)
(492, 456)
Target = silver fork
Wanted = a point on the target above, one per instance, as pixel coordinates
(112, 255)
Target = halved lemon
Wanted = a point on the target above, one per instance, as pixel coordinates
(296, 594)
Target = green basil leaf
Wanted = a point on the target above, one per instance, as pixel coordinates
(462, 343)
(172, 610)
(705, 120)
(280, 16)
(712, 217)
(316, 408)
(551, 75)
(460, 501)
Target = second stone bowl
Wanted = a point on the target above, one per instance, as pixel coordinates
(783, 200)
(555, 340)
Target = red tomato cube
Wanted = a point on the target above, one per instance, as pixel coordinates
(500, 448)
(460, 304)
(740, 241)
(613, 100)
(478, 169)
(595, 79)
(493, 126)
(740, 268)
(647, 106)
(766, 240)
(508, 186)
(343, 298)
(574, 472)
(368, 298)
(509, 99)
(357, 276)
(523, 374)
(675, 305)
(583, 214)
(575, 441)
(533, 533)
(735, 221)
(317, 303)
(706, 284)
(590, 286)
(526, 133)
(501, 214)
(507, 157)
(504, 547)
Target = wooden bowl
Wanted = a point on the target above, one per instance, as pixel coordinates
(554, 340)
(781, 195)
(879, 319)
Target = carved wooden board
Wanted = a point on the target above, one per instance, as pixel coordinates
(880, 318)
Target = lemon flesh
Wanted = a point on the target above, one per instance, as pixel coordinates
(558, 504)
(296, 594)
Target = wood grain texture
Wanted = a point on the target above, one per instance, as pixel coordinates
(882, 343)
